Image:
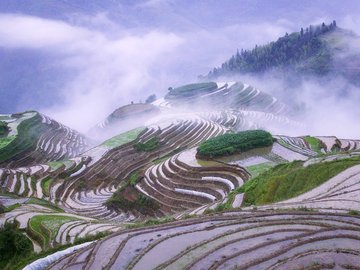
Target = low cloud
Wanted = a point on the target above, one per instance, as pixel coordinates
(17, 31)
(329, 109)
(326, 107)
(109, 71)
(113, 66)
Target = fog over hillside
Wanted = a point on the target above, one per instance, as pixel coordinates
(78, 62)
(168, 134)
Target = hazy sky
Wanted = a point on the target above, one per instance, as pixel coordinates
(88, 57)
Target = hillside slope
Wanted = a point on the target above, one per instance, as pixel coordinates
(316, 51)
(34, 138)
(60, 196)
(123, 119)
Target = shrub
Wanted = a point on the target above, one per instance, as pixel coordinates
(148, 146)
(82, 184)
(141, 203)
(232, 143)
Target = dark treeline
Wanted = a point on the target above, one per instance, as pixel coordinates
(289, 50)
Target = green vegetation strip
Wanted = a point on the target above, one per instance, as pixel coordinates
(44, 203)
(6, 140)
(286, 181)
(12, 207)
(194, 87)
(232, 143)
(55, 164)
(123, 138)
(45, 185)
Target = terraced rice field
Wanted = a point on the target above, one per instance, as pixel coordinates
(38, 139)
(58, 187)
(240, 240)
(178, 184)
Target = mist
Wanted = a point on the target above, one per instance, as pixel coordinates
(327, 107)
(114, 67)
(152, 45)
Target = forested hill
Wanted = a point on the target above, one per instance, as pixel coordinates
(308, 51)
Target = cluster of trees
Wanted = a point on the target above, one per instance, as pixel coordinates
(289, 50)
(232, 143)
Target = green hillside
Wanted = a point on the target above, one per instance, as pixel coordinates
(311, 51)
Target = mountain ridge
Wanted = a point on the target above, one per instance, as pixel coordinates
(316, 51)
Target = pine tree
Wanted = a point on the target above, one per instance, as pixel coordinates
(290, 49)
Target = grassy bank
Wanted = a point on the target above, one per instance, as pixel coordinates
(286, 181)
(123, 138)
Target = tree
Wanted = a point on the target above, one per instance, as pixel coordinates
(13, 244)
(291, 50)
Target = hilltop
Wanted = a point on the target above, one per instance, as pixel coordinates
(315, 51)
(124, 118)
